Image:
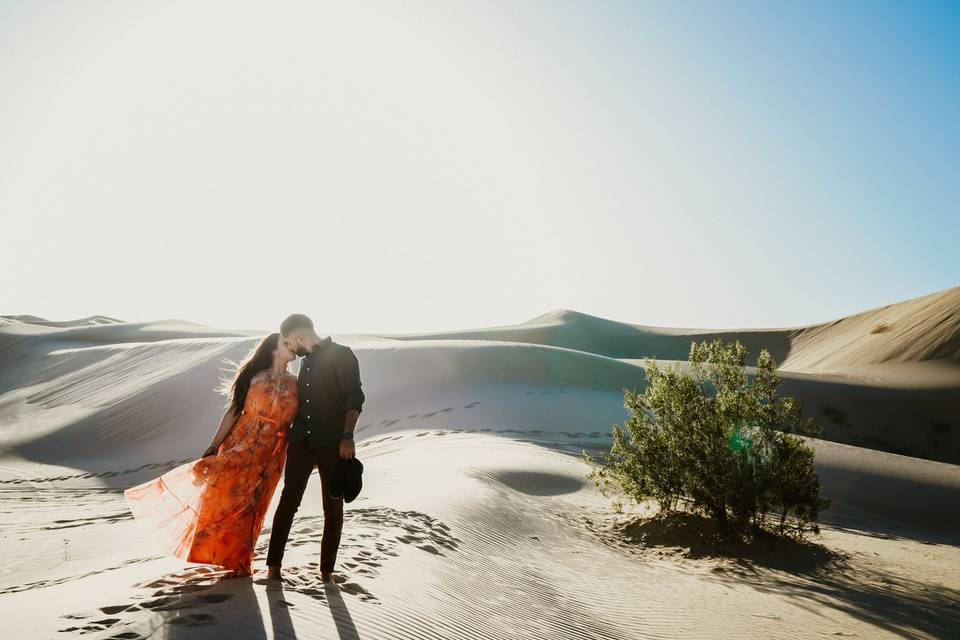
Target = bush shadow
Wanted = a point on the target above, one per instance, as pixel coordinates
(808, 574)
(695, 536)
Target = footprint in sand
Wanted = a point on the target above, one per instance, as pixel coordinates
(98, 474)
(81, 522)
(366, 544)
(175, 593)
(117, 609)
(355, 589)
(192, 620)
(48, 583)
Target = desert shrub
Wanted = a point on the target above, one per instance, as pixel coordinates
(713, 441)
(879, 328)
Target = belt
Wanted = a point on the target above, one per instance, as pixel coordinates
(275, 423)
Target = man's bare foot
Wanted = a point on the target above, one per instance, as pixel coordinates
(273, 573)
(326, 576)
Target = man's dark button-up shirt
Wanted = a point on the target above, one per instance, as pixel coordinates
(329, 384)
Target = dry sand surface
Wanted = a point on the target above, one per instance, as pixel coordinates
(476, 519)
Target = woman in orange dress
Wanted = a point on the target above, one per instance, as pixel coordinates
(211, 510)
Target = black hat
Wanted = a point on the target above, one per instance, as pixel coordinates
(346, 479)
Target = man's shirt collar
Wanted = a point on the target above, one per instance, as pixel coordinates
(320, 346)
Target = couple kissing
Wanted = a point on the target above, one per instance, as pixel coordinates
(211, 510)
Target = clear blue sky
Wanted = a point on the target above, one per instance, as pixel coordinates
(420, 166)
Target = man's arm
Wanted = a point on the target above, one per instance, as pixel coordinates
(351, 420)
(348, 374)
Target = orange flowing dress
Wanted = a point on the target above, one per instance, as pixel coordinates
(211, 510)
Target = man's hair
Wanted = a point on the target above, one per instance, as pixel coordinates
(294, 322)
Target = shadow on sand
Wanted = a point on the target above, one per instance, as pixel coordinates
(202, 602)
(281, 624)
(809, 574)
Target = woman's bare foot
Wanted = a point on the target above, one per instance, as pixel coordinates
(238, 573)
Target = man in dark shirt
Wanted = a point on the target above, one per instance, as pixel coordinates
(331, 400)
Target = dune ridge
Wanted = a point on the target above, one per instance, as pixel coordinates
(920, 329)
(917, 330)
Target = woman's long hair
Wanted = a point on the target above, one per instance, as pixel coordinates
(260, 359)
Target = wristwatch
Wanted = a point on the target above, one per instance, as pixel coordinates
(348, 435)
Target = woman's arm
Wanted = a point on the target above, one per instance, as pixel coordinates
(226, 424)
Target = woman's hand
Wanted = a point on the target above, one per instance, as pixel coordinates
(226, 425)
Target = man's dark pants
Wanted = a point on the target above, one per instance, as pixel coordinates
(301, 460)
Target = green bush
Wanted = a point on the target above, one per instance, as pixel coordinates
(712, 441)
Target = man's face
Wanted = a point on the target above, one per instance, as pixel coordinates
(297, 342)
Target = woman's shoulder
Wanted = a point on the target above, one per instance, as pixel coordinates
(267, 375)
(262, 376)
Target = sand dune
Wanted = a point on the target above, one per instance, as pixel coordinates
(922, 329)
(476, 518)
(583, 332)
(99, 329)
(886, 379)
(80, 322)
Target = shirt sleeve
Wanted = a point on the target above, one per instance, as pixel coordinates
(348, 374)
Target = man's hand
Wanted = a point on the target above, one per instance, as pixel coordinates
(347, 448)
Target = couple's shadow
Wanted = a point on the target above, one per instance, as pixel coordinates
(282, 625)
(243, 617)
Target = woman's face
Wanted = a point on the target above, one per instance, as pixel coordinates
(283, 351)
